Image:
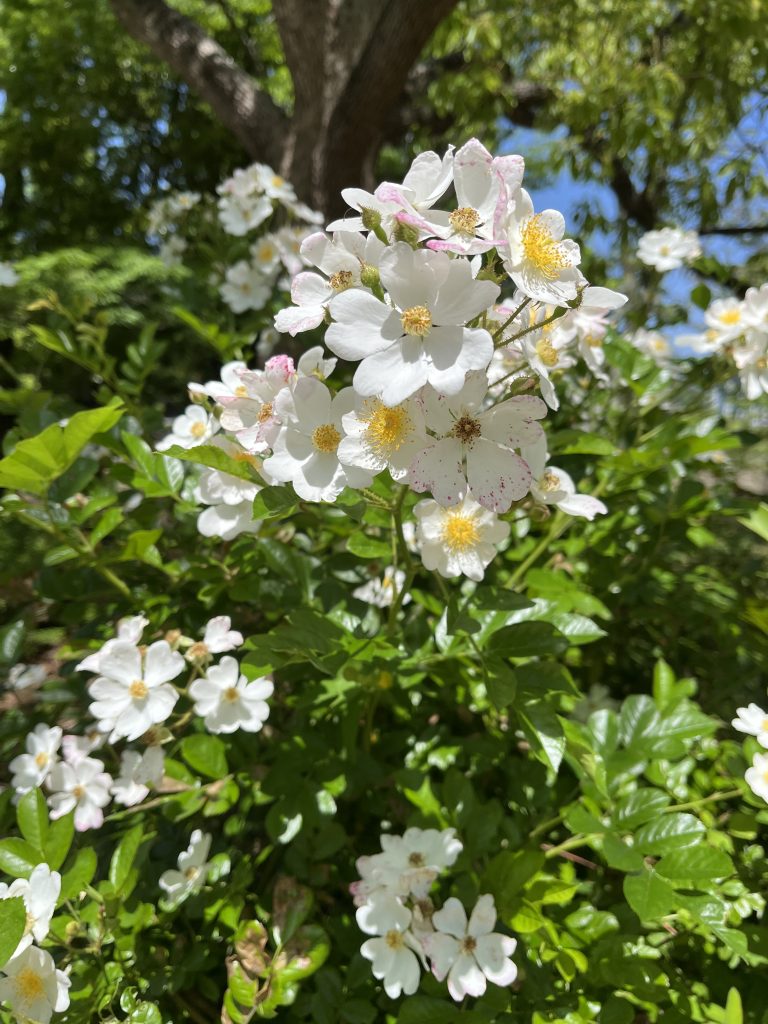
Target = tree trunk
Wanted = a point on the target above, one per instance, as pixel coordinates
(349, 60)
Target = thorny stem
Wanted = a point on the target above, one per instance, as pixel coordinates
(500, 330)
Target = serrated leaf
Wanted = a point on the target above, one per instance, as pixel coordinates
(649, 896)
(695, 863)
(18, 857)
(215, 458)
(124, 857)
(527, 640)
(669, 832)
(13, 920)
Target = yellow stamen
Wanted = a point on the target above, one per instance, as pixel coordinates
(231, 694)
(326, 438)
(197, 429)
(387, 429)
(29, 985)
(460, 532)
(466, 429)
(138, 689)
(341, 280)
(42, 759)
(541, 249)
(464, 220)
(549, 482)
(546, 352)
(416, 321)
(730, 316)
(394, 939)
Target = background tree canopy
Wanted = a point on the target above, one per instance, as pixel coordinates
(656, 105)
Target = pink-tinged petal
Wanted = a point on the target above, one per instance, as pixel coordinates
(161, 663)
(122, 662)
(451, 918)
(466, 978)
(364, 325)
(308, 289)
(472, 174)
(438, 470)
(483, 918)
(510, 169)
(496, 476)
(296, 319)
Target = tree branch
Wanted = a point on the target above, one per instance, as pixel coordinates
(209, 71)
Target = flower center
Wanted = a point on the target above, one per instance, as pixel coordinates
(241, 391)
(138, 689)
(197, 429)
(191, 874)
(460, 532)
(730, 316)
(29, 985)
(78, 792)
(416, 321)
(246, 457)
(387, 429)
(468, 944)
(416, 860)
(265, 412)
(464, 220)
(326, 438)
(230, 694)
(341, 280)
(197, 651)
(541, 249)
(394, 939)
(664, 250)
(593, 341)
(546, 352)
(549, 482)
(42, 759)
(466, 429)
(277, 181)
(265, 253)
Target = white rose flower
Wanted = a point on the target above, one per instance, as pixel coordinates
(192, 870)
(425, 337)
(245, 287)
(474, 450)
(31, 769)
(219, 637)
(553, 486)
(305, 453)
(82, 786)
(407, 865)
(757, 776)
(381, 592)
(668, 248)
(131, 696)
(229, 385)
(653, 344)
(21, 676)
(753, 721)
(395, 952)
(33, 987)
(228, 521)
(251, 416)
(228, 701)
(129, 629)
(380, 436)
(136, 771)
(194, 426)
(39, 892)
(239, 214)
(265, 255)
(470, 953)
(542, 263)
(752, 363)
(462, 540)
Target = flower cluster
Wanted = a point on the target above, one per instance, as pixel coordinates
(669, 248)
(30, 982)
(753, 721)
(738, 328)
(439, 397)
(408, 933)
(133, 697)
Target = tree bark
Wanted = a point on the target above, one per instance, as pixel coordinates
(349, 61)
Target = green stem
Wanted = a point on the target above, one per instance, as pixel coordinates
(500, 330)
(729, 794)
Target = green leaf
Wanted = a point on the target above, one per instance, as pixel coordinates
(734, 1014)
(500, 683)
(757, 521)
(669, 832)
(205, 754)
(619, 855)
(18, 857)
(13, 921)
(11, 642)
(649, 896)
(60, 835)
(215, 458)
(124, 857)
(111, 519)
(426, 1010)
(527, 640)
(79, 874)
(274, 502)
(32, 816)
(695, 863)
(368, 547)
(640, 806)
(37, 461)
(545, 731)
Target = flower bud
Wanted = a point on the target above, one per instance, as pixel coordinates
(369, 276)
(371, 219)
(405, 233)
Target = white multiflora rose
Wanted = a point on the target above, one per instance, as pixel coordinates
(755, 311)
(474, 447)
(21, 676)
(757, 776)
(194, 426)
(228, 521)
(229, 386)
(137, 773)
(652, 344)
(33, 987)
(380, 436)
(542, 263)
(469, 953)
(751, 361)
(227, 701)
(83, 787)
(424, 338)
(230, 497)
(458, 541)
(129, 629)
(484, 184)
(395, 953)
(192, 869)
(553, 486)
(134, 692)
(251, 415)
(753, 721)
(407, 864)
(239, 214)
(245, 287)
(668, 248)
(380, 591)
(305, 453)
(32, 768)
(40, 893)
